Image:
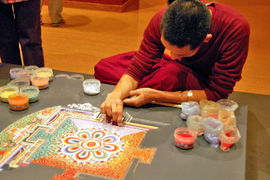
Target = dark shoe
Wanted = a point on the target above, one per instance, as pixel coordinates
(58, 24)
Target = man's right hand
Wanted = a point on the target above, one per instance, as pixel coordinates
(113, 105)
(113, 108)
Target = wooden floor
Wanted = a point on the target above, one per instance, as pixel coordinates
(91, 35)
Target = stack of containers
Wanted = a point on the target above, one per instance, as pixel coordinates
(25, 86)
(215, 120)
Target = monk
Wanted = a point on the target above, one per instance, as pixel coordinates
(208, 44)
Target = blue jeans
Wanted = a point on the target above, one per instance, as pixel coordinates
(21, 27)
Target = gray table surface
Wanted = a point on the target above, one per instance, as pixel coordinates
(202, 162)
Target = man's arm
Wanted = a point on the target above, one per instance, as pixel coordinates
(146, 95)
(113, 105)
(150, 53)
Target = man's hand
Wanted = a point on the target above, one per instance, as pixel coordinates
(140, 97)
(113, 105)
(113, 108)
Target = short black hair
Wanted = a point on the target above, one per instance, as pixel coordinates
(186, 22)
(170, 1)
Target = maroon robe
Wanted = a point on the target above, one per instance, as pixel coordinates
(215, 68)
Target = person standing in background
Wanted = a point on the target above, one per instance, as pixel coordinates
(20, 24)
(55, 12)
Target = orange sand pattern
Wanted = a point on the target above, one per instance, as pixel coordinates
(21, 140)
(116, 168)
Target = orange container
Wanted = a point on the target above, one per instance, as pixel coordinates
(40, 82)
(18, 102)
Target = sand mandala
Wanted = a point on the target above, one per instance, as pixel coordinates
(91, 145)
(78, 141)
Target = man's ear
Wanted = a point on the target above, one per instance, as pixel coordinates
(207, 38)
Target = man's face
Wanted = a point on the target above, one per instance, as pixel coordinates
(177, 52)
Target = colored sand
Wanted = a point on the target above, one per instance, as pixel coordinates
(18, 100)
(6, 94)
(185, 139)
(184, 135)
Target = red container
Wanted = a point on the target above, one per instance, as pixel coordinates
(228, 136)
(184, 137)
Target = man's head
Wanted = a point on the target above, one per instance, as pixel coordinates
(186, 23)
(170, 1)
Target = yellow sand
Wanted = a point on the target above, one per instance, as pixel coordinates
(6, 94)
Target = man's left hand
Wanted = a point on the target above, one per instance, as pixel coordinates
(140, 97)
